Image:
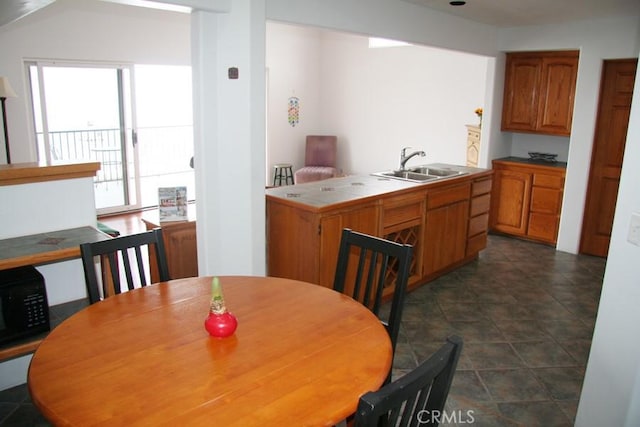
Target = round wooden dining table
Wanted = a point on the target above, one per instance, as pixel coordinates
(302, 355)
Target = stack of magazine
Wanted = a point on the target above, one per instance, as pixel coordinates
(172, 203)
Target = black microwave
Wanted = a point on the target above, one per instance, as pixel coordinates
(24, 309)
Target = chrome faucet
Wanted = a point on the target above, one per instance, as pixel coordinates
(404, 158)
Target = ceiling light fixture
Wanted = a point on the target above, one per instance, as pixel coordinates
(457, 3)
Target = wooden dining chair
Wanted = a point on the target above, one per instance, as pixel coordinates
(132, 252)
(381, 265)
(417, 398)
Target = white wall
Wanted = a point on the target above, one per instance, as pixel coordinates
(375, 100)
(293, 58)
(89, 31)
(229, 124)
(380, 100)
(396, 20)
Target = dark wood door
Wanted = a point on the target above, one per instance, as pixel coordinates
(616, 90)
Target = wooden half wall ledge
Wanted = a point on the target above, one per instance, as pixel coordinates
(27, 173)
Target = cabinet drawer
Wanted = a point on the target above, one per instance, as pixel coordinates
(480, 187)
(480, 205)
(478, 224)
(551, 181)
(400, 214)
(546, 200)
(476, 244)
(448, 195)
(543, 227)
(399, 210)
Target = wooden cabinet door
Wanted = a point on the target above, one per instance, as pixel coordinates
(510, 201)
(182, 249)
(292, 242)
(614, 107)
(446, 222)
(445, 236)
(539, 92)
(546, 200)
(364, 219)
(522, 78)
(557, 89)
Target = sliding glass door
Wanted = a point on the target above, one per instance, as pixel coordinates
(164, 117)
(122, 117)
(84, 114)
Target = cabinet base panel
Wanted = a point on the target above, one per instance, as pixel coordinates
(527, 238)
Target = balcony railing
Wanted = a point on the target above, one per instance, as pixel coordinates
(163, 152)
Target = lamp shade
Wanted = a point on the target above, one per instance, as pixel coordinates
(6, 91)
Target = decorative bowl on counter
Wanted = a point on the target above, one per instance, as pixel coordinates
(547, 157)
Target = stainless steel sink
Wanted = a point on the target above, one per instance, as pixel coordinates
(421, 174)
(406, 176)
(436, 171)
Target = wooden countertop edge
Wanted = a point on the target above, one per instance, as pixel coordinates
(19, 349)
(27, 173)
(40, 258)
(376, 197)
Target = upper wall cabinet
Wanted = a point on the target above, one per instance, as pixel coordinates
(539, 91)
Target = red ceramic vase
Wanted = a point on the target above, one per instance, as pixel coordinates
(221, 325)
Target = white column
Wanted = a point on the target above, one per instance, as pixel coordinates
(229, 128)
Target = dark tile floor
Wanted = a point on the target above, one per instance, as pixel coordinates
(526, 314)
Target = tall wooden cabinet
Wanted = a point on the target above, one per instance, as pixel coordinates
(526, 199)
(539, 92)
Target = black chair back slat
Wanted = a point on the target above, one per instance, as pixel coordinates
(143, 278)
(379, 290)
(127, 268)
(358, 283)
(113, 269)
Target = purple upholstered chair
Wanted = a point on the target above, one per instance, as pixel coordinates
(319, 160)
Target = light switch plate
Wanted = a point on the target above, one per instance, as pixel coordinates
(634, 229)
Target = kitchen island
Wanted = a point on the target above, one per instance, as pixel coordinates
(445, 220)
